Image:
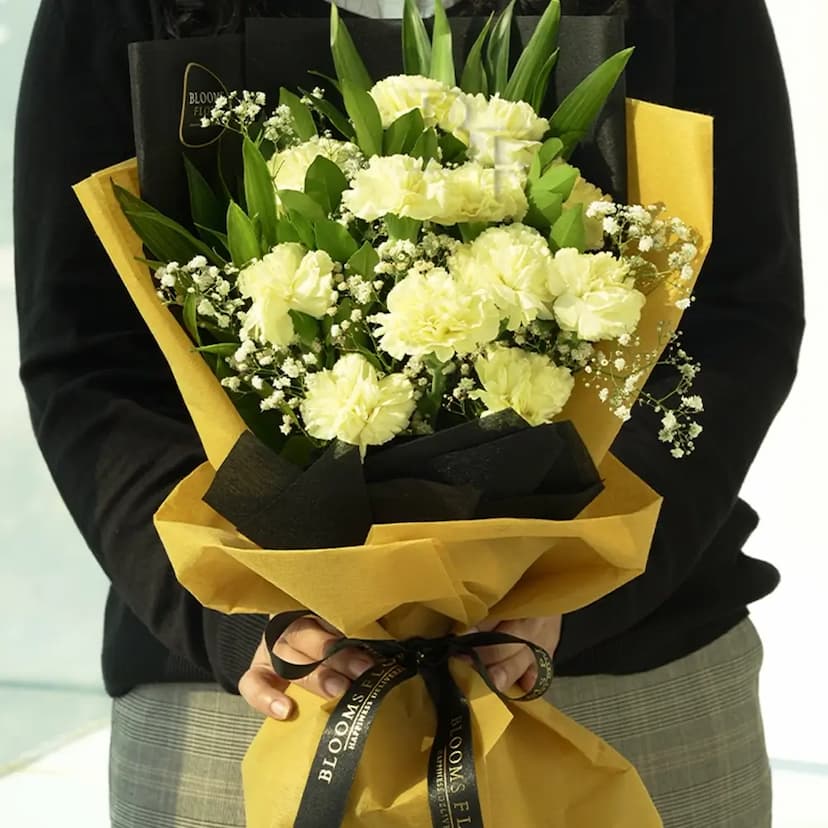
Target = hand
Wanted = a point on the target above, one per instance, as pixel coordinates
(514, 663)
(304, 642)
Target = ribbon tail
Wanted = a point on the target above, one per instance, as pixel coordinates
(325, 798)
(453, 796)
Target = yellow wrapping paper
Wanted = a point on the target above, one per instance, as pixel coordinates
(536, 768)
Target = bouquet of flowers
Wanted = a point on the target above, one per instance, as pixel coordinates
(407, 341)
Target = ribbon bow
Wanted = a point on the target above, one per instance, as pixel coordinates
(452, 782)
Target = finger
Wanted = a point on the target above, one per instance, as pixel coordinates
(306, 636)
(324, 681)
(505, 674)
(263, 690)
(529, 678)
(307, 642)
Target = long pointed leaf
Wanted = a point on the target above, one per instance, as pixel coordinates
(415, 42)
(302, 118)
(348, 63)
(259, 192)
(166, 239)
(242, 236)
(474, 78)
(497, 50)
(580, 108)
(535, 55)
(541, 89)
(337, 119)
(205, 206)
(442, 55)
(189, 315)
(365, 117)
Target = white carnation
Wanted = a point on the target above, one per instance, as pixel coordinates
(432, 314)
(398, 185)
(351, 403)
(289, 167)
(497, 132)
(399, 94)
(511, 265)
(529, 384)
(287, 278)
(389, 184)
(596, 297)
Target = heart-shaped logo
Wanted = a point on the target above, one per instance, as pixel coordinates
(201, 88)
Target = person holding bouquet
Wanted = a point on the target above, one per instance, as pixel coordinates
(669, 661)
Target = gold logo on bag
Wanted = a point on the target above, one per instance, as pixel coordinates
(201, 88)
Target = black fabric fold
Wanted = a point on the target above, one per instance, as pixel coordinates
(497, 466)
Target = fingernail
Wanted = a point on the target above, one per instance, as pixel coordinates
(335, 685)
(357, 666)
(498, 677)
(280, 708)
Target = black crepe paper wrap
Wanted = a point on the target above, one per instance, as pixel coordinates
(497, 466)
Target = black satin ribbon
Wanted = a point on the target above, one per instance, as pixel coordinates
(453, 796)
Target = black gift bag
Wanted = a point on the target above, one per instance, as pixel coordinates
(175, 82)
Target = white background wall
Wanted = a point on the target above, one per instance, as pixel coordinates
(787, 484)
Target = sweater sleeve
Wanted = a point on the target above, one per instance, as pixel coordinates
(746, 324)
(105, 409)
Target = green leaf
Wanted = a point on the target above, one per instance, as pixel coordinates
(535, 55)
(415, 42)
(403, 228)
(432, 400)
(470, 230)
(242, 236)
(474, 78)
(401, 136)
(259, 192)
(541, 90)
(580, 108)
(306, 327)
(365, 117)
(497, 50)
(335, 240)
(336, 118)
(348, 63)
(442, 55)
(219, 240)
(549, 151)
(190, 317)
(569, 230)
(224, 349)
(304, 229)
(206, 207)
(166, 239)
(560, 179)
(288, 232)
(544, 209)
(363, 262)
(427, 146)
(325, 183)
(295, 203)
(302, 117)
(453, 150)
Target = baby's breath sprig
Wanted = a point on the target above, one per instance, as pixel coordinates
(236, 111)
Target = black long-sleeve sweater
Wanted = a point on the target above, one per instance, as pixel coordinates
(117, 437)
